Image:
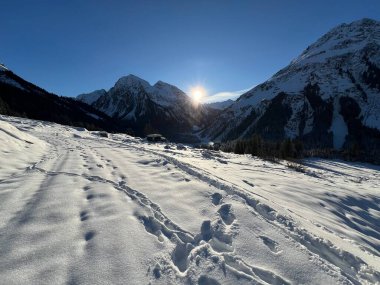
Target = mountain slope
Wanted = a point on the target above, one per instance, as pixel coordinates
(220, 105)
(24, 99)
(145, 108)
(329, 96)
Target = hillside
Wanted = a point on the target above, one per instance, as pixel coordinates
(19, 97)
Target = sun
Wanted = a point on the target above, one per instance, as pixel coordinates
(197, 93)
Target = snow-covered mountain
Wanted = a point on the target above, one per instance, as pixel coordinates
(90, 98)
(19, 97)
(220, 105)
(146, 108)
(328, 96)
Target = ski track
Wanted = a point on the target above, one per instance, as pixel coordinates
(90, 215)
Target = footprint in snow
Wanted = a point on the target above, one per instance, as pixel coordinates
(216, 198)
(84, 216)
(226, 214)
(89, 235)
(271, 244)
(89, 197)
(205, 280)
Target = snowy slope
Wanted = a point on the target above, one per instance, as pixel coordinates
(90, 98)
(140, 106)
(81, 209)
(220, 105)
(305, 99)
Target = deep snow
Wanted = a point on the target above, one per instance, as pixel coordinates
(76, 208)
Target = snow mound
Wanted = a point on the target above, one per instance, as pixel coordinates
(18, 150)
(14, 139)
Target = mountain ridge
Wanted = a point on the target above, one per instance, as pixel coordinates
(21, 98)
(146, 108)
(307, 99)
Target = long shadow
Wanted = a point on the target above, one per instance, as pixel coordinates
(334, 163)
(359, 208)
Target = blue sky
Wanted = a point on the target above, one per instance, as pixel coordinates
(70, 47)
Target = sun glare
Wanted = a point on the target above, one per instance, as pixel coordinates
(197, 94)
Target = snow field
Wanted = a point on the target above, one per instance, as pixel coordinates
(79, 209)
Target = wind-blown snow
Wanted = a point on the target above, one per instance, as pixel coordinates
(77, 208)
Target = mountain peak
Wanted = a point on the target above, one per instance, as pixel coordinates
(339, 70)
(90, 98)
(163, 85)
(364, 22)
(165, 92)
(341, 40)
(357, 29)
(159, 82)
(131, 81)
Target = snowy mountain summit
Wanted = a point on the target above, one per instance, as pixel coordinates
(329, 96)
(145, 108)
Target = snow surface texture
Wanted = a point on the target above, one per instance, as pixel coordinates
(336, 63)
(78, 208)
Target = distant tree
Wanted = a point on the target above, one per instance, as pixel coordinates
(239, 147)
(149, 129)
(256, 145)
(298, 147)
(287, 149)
